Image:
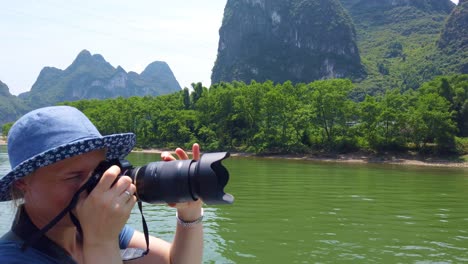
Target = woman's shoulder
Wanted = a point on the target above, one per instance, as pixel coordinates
(11, 253)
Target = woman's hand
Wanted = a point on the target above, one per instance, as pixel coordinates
(104, 212)
(188, 211)
(167, 156)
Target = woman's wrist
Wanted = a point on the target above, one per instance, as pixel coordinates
(190, 217)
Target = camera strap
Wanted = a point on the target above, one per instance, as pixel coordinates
(145, 226)
(126, 254)
(23, 227)
(36, 236)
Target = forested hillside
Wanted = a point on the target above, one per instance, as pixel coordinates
(277, 40)
(286, 118)
(400, 43)
(397, 40)
(453, 42)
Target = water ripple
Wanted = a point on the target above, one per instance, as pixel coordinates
(304, 212)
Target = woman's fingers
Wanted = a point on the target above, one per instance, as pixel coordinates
(166, 156)
(196, 151)
(105, 211)
(122, 184)
(124, 187)
(108, 178)
(181, 154)
(114, 188)
(128, 198)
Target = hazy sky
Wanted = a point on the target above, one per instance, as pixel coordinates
(132, 34)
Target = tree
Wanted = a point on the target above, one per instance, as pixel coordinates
(455, 90)
(197, 92)
(332, 108)
(370, 110)
(431, 122)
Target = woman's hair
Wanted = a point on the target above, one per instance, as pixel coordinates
(17, 200)
(17, 195)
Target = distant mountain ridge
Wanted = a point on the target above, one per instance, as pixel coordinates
(92, 77)
(296, 40)
(88, 77)
(11, 107)
(380, 44)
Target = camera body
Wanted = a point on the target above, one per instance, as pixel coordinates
(174, 181)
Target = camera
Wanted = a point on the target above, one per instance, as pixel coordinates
(174, 181)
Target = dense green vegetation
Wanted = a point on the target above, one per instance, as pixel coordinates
(285, 118)
(398, 44)
(453, 42)
(400, 105)
(402, 44)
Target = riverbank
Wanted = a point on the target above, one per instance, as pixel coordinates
(356, 158)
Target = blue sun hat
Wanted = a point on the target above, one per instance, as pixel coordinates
(51, 134)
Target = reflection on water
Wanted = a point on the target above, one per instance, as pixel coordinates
(304, 212)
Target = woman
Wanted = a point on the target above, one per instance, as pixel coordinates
(52, 152)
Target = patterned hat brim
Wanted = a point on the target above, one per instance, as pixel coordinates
(118, 146)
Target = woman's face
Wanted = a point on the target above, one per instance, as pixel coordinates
(49, 189)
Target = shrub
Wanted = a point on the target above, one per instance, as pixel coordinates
(461, 145)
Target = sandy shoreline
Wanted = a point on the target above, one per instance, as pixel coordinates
(348, 158)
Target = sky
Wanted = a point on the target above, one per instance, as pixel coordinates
(132, 34)
(35, 34)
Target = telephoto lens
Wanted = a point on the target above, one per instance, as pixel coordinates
(176, 181)
(183, 180)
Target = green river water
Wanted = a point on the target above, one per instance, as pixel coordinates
(305, 212)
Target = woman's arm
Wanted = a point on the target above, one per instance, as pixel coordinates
(187, 246)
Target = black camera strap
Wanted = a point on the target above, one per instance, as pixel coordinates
(145, 226)
(127, 254)
(22, 229)
(35, 237)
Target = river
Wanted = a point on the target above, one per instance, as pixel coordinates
(289, 211)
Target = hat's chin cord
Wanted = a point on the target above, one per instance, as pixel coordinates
(36, 236)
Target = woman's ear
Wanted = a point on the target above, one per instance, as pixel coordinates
(21, 185)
